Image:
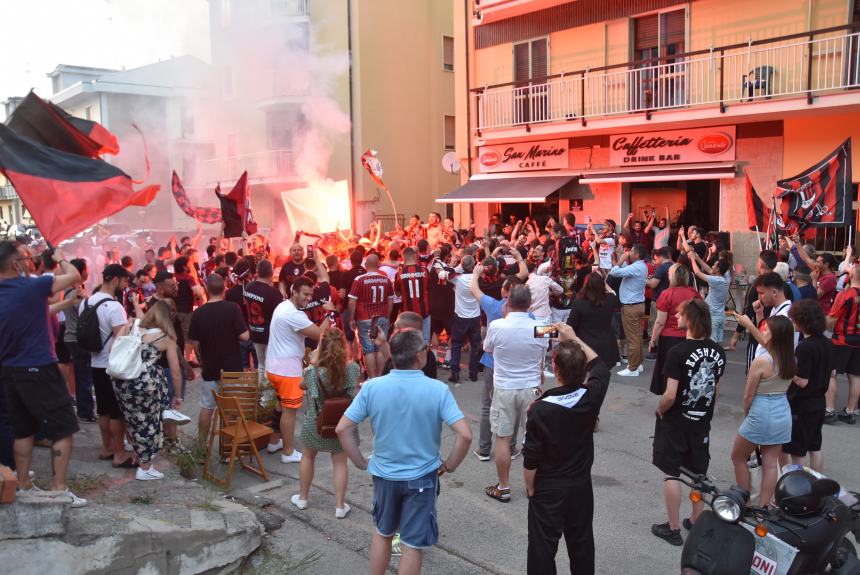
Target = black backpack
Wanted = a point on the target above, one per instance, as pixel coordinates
(89, 333)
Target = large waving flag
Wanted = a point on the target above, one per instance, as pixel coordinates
(202, 215)
(47, 123)
(821, 196)
(236, 209)
(758, 215)
(64, 192)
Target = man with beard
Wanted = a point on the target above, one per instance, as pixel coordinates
(324, 300)
(638, 233)
(661, 232)
(293, 268)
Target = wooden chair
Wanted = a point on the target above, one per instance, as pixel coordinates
(244, 386)
(231, 425)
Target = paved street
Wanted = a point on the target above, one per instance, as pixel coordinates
(480, 535)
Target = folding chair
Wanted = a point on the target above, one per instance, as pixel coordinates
(244, 386)
(231, 424)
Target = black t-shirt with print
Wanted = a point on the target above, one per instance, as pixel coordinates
(814, 363)
(217, 326)
(290, 271)
(697, 364)
(261, 299)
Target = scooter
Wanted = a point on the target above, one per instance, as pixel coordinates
(806, 535)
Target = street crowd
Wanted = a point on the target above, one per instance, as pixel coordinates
(374, 317)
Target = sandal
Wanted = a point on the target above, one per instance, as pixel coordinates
(494, 491)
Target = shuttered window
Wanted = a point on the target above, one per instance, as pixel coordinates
(660, 33)
(672, 27)
(531, 60)
(645, 32)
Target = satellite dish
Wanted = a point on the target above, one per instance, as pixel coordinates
(450, 163)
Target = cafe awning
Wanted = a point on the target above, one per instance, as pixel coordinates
(666, 173)
(507, 190)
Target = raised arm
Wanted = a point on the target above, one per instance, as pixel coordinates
(69, 276)
(473, 286)
(650, 224)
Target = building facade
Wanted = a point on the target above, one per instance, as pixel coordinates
(306, 86)
(610, 108)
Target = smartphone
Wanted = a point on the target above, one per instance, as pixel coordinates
(374, 328)
(545, 331)
(310, 252)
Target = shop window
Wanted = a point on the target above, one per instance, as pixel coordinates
(450, 127)
(448, 53)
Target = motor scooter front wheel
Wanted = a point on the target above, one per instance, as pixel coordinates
(845, 562)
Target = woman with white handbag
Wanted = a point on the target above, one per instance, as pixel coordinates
(142, 389)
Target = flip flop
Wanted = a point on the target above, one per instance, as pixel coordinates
(127, 464)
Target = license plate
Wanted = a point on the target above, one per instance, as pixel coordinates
(773, 556)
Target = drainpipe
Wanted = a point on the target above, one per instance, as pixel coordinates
(468, 103)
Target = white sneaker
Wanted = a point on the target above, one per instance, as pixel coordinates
(31, 474)
(299, 502)
(275, 447)
(341, 512)
(628, 373)
(33, 488)
(77, 501)
(148, 474)
(127, 446)
(175, 416)
(294, 457)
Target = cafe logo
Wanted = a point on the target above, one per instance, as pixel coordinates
(490, 159)
(714, 144)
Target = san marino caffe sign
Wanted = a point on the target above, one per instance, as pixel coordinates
(524, 156)
(673, 147)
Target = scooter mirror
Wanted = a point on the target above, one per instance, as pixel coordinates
(825, 488)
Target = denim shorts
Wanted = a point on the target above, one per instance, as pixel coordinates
(207, 401)
(364, 333)
(769, 420)
(409, 506)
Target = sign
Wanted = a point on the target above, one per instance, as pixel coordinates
(772, 556)
(524, 157)
(683, 146)
(576, 205)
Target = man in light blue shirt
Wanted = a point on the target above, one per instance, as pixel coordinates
(633, 271)
(406, 411)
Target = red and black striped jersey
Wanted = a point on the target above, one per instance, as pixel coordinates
(846, 308)
(323, 292)
(371, 293)
(410, 284)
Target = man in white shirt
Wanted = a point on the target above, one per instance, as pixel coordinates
(467, 320)
(289, 328)
(541, 286)
(517, 376)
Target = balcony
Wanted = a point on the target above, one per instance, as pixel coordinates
(288, 8)
(8, 193)
(798, 66)
(262, 167)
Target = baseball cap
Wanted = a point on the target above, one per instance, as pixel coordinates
(113, 271)
(162, 276)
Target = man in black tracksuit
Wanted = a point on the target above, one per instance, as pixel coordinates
(557, 455)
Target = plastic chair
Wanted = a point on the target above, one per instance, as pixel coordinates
(759, 78)
(232, 425)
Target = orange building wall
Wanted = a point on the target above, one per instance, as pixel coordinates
(809, 139)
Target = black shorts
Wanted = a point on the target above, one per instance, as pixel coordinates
(60, 347)
(675, 448)
(38, 400)
(438, 324)
(106, 403)
(846, 359)
(805, 433)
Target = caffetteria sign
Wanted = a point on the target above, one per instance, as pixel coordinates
(673, 147)
(524, 157)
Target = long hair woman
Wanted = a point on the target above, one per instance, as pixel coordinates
(719, 280)
(768, 415)
(666, 333)
(143, 399)
(591, 317)
(330, 375)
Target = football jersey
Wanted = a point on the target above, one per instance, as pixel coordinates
(323, 292)
(845, 308)
(411, 284)
(371, 293)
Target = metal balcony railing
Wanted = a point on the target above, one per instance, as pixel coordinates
(796, 65)
(268, 165)
(288, 7)
(8, 193)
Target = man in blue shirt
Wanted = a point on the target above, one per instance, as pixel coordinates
(633, 271)
(406, 411)
(36, 397)
(493, 309)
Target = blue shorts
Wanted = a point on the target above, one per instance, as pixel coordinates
(407, 506)
(364, 333)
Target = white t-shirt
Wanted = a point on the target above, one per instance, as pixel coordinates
(540, 287)
(465, 304)
(607, 246)
(517, 354)
(111, 315)
(286, 345)
(391, 273)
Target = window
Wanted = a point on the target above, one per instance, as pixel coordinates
(661, 84)
(227, 82)
(450, 128)
(448, 53)
(531, 62)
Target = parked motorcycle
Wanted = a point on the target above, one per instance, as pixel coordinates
(807, 534)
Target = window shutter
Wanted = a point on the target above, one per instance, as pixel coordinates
(521, 62)
(539, 59)
(672, 28)
(645, 32)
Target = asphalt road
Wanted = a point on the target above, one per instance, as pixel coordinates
(480, 535)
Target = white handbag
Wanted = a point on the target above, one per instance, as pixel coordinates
(125, 360)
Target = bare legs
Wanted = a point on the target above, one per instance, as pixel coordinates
(288, 428)
(672, 499)
(61, 452)
(770, 456)
(503, 460)
(380, 557)
(340, 475)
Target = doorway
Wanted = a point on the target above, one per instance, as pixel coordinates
(685, 203)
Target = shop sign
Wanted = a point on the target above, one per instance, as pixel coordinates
(683, 146)
(524, 157)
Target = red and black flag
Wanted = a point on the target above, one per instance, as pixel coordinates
(202, 215)
(46, 123)
(64, 192)
(236, 209)
(758, 215)
(821, 196)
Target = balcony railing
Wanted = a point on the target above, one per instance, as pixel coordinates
(268, 165)
(288, 8)
(8, 193)
(795, 65)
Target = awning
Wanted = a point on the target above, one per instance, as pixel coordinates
(508, 190)
(666, 173)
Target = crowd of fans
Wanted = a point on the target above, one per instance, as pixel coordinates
(384, 311)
